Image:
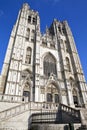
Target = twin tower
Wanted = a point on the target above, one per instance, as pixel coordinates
(43, 67)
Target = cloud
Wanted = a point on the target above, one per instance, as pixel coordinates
(1, 12)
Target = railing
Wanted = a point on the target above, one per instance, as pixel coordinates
(44, 117)
(70, 110)
(32, 106)
(70, 114)
(64, 114)
(35, 107)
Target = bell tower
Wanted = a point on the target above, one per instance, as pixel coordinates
(21, 60)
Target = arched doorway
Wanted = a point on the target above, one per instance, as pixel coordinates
(26, 83)
(26, 91)
(52, 94)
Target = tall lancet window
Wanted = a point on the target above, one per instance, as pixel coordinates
(27, 34)
(68, 64)
(75, 98)
(28, 55)
(49, 65)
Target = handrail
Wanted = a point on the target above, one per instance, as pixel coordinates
(72, 115)
(70, 110)
(63, 105)
(38, 106)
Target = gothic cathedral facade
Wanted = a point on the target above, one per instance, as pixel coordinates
(43, 67)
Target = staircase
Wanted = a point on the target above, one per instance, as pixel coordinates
(63, 115)
(28, 106)
(70, 115)
(36, 113)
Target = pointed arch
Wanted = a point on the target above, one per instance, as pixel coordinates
(55, 83)
(26, 84)
(27, 90)
(28, 55)
(68, 64)
(75, 97)
(49, 65)
(48, 53)
(52, 92)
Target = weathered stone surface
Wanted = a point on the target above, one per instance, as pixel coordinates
(39, 72)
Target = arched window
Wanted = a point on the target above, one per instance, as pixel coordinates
(27, 34)
(56, 98)
(49, 65)
(59, 28)
(49, 97)
(28, 55)
(68, 64)
(75, 98)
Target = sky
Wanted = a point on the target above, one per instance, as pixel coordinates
(74, 11)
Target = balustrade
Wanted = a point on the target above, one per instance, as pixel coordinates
(70, 110)
(33, 106)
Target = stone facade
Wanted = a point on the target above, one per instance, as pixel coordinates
(43, 68)
(41, 74)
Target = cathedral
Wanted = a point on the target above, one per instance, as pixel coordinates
(40, 69)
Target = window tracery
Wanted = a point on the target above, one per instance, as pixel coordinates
(49, 65)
